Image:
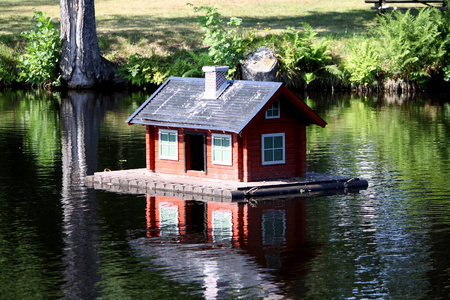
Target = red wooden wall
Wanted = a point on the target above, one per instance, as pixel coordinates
(247, 162)
(233, 172)
(295, 146)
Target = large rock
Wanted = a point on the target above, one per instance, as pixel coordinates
(261, 65)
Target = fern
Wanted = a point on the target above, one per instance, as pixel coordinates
(198, 60)
(300, 54)
(156, 69)
(362, 63)
(142, 70)
(411, 46)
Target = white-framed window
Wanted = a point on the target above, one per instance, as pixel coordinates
(168, 144)
(273, 149)
(221, 149)
(273, 112)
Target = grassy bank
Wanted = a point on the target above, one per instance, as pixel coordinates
(152, 17)
(127, 27)
(152, 28)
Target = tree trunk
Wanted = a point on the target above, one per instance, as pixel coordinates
(81, 64)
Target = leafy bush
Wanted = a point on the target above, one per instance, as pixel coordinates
(227, 42)
(403, 46)
(446, 34)
(300, 54)
(362, 62)
(156, 69)
(141, 70)
(8, 73)
(190, 64)
(39, 64)
(411, 46)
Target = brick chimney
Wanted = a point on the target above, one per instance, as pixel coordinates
(215, 81)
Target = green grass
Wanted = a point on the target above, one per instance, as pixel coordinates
(162, 28)
(142, 26)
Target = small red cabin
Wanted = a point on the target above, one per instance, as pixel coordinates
(225, 129)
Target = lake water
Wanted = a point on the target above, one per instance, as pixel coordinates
(59, 239)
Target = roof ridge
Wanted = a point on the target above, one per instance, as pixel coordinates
(179, 102)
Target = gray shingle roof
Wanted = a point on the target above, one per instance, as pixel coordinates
(179, 103)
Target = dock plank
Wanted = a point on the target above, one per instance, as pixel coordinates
(142, 181)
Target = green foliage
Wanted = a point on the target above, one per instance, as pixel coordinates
(403, 46)
(300, 54)
(194, 62)
(411, 46)
(227, 42)
(39, 63)
(446, 73)
(156, 69)
(8, 74)
(362, 62)
(141, 70)
(446, 69)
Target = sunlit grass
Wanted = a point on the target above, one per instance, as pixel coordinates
(143, 26)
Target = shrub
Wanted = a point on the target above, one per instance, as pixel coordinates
(411, 46)
(362, 62)
(141, 70)
(445, 29)
(227, 42)
(156, 69)
(190, 63)
(39, 64)
(403, 46)
(300, 54)
(8, 74)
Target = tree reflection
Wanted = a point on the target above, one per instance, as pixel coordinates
(400, 144)
(81, 115)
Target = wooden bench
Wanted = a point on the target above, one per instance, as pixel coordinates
(383, 5)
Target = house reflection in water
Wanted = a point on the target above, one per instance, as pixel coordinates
(230, 249)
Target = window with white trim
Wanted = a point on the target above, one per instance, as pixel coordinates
(168, 144)
(221, 149)
(273, 149)
(273, 112)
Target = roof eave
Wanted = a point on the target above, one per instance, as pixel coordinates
(257, 109)
(312, 116)
(185, 126)
(130, 120)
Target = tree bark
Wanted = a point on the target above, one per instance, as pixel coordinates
(81, 64)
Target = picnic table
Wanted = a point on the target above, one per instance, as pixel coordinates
(382, 5)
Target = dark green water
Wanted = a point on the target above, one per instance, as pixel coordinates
(59, 239)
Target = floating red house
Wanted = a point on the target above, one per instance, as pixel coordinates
(225, 129)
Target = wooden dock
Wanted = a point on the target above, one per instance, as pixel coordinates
(142, 181)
